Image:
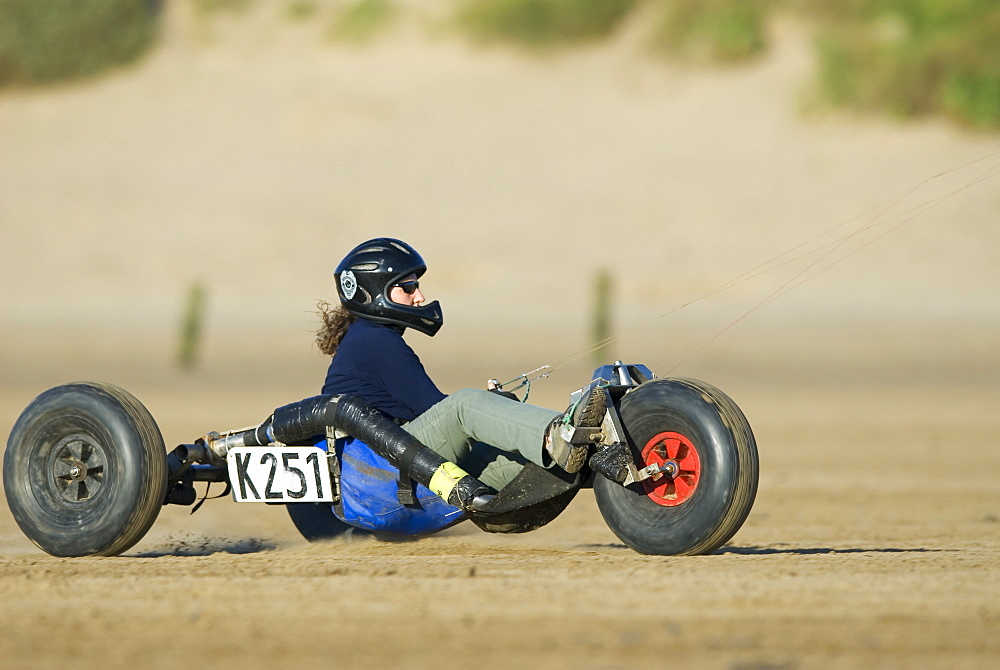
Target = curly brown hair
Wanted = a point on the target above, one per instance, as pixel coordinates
(335, 323)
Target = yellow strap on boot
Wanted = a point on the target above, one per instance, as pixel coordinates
(445, 478)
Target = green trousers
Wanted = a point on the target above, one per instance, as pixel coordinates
(489, 436)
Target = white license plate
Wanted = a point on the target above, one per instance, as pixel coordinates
(279, 474)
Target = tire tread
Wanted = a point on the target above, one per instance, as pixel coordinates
(155, 451)
(748, 470)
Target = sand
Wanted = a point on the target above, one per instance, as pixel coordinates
(248, 153)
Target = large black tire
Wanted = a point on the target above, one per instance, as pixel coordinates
(85, 470)
(316, 522)
(709, 436)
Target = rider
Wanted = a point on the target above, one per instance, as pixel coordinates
(485, 433)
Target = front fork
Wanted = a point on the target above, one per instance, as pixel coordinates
(615, 456)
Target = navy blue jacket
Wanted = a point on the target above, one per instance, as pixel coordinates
(374, 363)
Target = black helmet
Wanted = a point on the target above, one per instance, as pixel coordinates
(367, 274)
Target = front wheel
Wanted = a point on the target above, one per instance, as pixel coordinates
(85, 470)
(701, 432)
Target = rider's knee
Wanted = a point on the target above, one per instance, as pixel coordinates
(465, 395)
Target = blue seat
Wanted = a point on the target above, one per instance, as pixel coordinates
(368, 488)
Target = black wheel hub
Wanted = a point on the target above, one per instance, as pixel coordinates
(77, 469)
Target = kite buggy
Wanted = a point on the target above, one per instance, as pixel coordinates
(673, 467)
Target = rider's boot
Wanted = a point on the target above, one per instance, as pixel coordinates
(571, 435)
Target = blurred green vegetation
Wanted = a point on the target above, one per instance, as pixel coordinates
(299, 10)
(912, 57)
(215, 6)
(712, 30)
(44, 41)
(903, 57)
(362, 20)
(539, 23)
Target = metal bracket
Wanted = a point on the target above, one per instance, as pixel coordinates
(333, 464)
(334, 433)
(654, 472)
(614, 437)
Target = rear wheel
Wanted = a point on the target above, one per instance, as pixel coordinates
(85, 470)
(704, 438)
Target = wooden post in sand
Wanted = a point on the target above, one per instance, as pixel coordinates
(191, 327)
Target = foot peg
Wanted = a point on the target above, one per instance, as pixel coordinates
(613, 462)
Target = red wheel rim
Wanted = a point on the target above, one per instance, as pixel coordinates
(672, 448)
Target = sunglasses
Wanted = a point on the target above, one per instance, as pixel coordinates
(408, 286)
